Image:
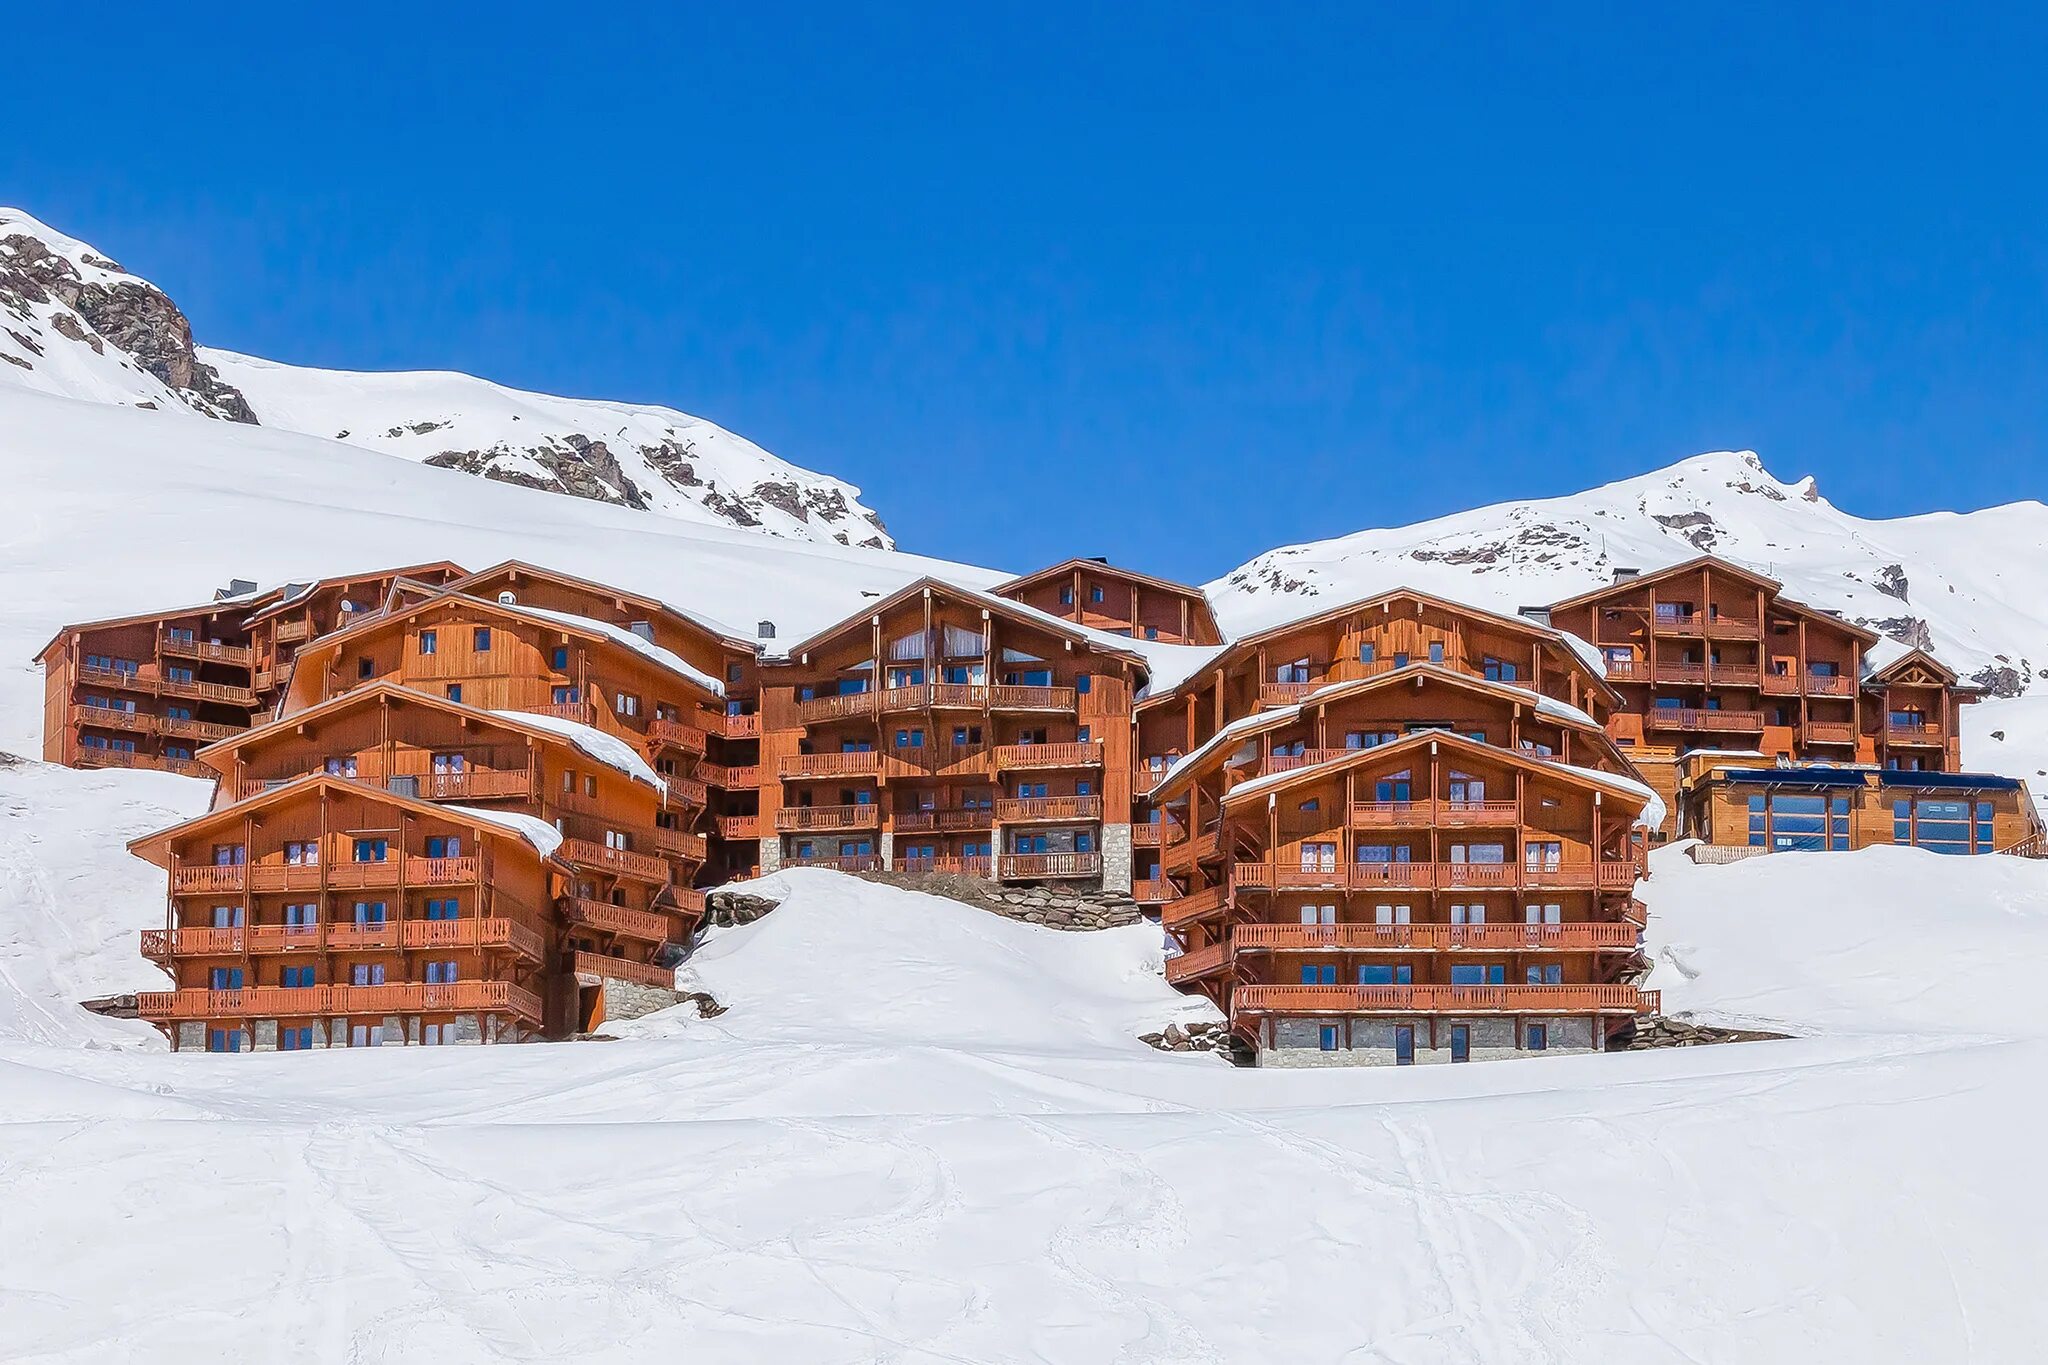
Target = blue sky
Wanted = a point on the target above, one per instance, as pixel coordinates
(1170, 283)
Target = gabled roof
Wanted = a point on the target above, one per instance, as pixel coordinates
(220, 606)
(1103, 569)
(1616, 783)
(295, 593)
(548, 729)
(724, 632)
(1017, 612)
(1259, 722)
(155, 847)
(1693, 565)
(1569, 643)
(1881, 663)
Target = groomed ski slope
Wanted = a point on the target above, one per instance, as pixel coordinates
(920, 1133)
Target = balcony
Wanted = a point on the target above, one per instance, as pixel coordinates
(687, 791)
(1780, 684)
(1733, 628)
(680, 900)
(1081, 755)
(1037, 808)
(1015, 697)
(739, 826)
(1198, 963)
(1195, 905)
(1923, 735)
(1703, 719)
(582, 712)
(1684, 674)
(864, 763)
(677, 843)
(1047, 866)
(746, 777)
(172, 647)
(1604, 876)
(864, 815)
(618, 861)
(645, 925)
(977, 866)
(160, 945)
(124, 678)
(674, 734)
(942, 821)
(1151, 891)
(1610, 999)
(1151, 835)
(838, 707)
(114, 718)
(1285, 693)
(838, 862)
(600, 967)
(737, 726)
(471, 784)
(1587, 937)
(224, 693)
(212, 880)
(297, 1002)
(1427, 813)
(289, 632)
(1830, 685)
(1830, 732)
(205, 731)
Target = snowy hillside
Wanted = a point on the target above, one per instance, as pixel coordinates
(74, 323)
(1973, 586)
(954, 1151)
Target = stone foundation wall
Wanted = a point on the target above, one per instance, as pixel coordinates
(631, 1000)
(1076, 905)
(1370, 1042)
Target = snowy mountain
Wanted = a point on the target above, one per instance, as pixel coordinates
(1973, 585)
(74, 323)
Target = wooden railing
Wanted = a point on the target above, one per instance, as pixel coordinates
(616, 919)
(1284, 763)
(114, 718)
(1688, 718)
(1151, 835)
(923, 821)
(1195, 905)
(159, 945)
(1912, 734)
(201, 649)
(1049, 808)
(743, 778)
(1016, 697)
(1590, 936)
(1830, 685)
(687, 791)
(741, 726)
(1041, 866)
(739, 826)
(839, 862)
(858, 816)
(1606, 999)
(1197, 963)
(1780, 684)
(287, 632)
(204, 730)
(116, 677)
(625, 862)
(206, 691)
(582, 712)
(1831, 732)
(680, 900)
(1397, 814)
(954, 866)
(866, 763)
(1069, 755)
(210, 879)
(1610, 875)
(619, 969)
(291, 1002)
(836, 707)
(1151, 891)
(1732, 628)
(676, 735)
(680, 843)
(472, 784)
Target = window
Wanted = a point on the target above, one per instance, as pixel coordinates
(733, 673)
(1083, 682)
(481, 640)
(171, 712)
(1500, 670)
(1151, 632)
(910, 739)
(643, 629)
(1380, 974)
(1389, 915)
(1404, 1045)
(437, 1035)
(1542, 855)
(224, 979)
(1461, 1042)
(1028, 677)
(372, 850)
(298, 1039)
(366, 1035)
(444, 909)
(1798, 821)
(224, 1040)
(1329, 1037)
(1095, 594)
(590, 784)
(449, 763)
(1543, 914)
(440, 973)
(429, 642)
(1319, 857)
(296, 976)
(341, 767)
(455, 691)
(444, 846)
(1319, 974)
(906, 677)
(1366, 653)
(365, 666)
(230, 855)
(179, 673)
(227, 916)
(627, 704)
(567, 696)
(177, 751)
(1067, 596)
(302, 853)
(1401, 659)
(558, 658)
(369, 913)
(366, 974)
(1084, 842)
(1944, 826)
(1436, 651)
(1551, 975)
(1536, 1037)
(301, 919)
(1479, 974)
(1318, 914)
(1471, 913)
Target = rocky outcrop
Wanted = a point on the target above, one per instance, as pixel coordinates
(1659, 1030)
(1202, 1035)
(1078, 906)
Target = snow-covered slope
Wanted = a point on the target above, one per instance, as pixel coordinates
(74, 323)
(1974, 586)
(942, 1145)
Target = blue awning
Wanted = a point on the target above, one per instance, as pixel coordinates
(1795, 777)
(1892, 777)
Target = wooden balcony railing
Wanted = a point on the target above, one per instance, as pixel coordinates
(1830, 685)
(1200, 962)
(296, 1002)
(1152, 835)
(978, 866)
(865, 763)
(160, 945)
(1913, 734)
(837, 707)
(949, 821)
(680, 900)
(1027, 808)
(1015, 697)
(205, 731)
(619, 969)
(1680, 673)
(745, 777)
(624, 862)
(1605, 999)
(1732, 628)
(582, 712)
(1606, 876)
(1070, 755)
(1830, 732)
(739, 826)
(201, 649)
(126, 679)
(741, 726)
(680, 843)
(287, 632)
(114, 718)
(1151, 891)
(1285, 693)
(1426, 813)
(226, 693)
(687, 791)
(644, 925)
(1688, 718)
(207, 879)
(1195, 905)
(1046, 866)
(1780, 684)
(472, 784)
(838, 862)
(674, 734)
(862, 815)
(1590, 936)
(1283, 763)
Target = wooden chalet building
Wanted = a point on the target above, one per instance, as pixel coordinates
(1709, 657)
(946, 730)
(1740, 808)
(1400, 834)
(1094, 593)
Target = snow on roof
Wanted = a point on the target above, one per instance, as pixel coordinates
(1653, 804)
(609, 750)
(1238, 728)
(1883, 655)
(544, 837)
(1586, 650)
(647, 649)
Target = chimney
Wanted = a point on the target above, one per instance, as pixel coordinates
(237, 587)
(1624, 575)
(765, 630)
(1098, 559)
(1540, 615)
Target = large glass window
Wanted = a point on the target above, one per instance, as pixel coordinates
(1798, 822)
(1943, 826)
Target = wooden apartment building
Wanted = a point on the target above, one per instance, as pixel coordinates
(1399, 832)
(1709, 657)
(1094, 593)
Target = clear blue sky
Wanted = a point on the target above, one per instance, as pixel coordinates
(1173, 283)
